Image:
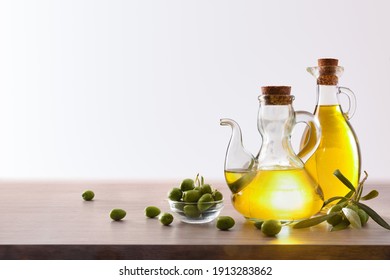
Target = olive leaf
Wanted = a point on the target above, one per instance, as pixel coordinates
(352, 217)
(341, 198)
(313, 221)
(344, 180)
(372, 194)
(375, 216)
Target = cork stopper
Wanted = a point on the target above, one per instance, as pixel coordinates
(328, 62)
(328, 68)
(276, 95)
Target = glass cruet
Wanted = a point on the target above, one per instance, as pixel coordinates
(274, 184)
(339, 145)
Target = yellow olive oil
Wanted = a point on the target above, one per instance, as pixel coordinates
(338, 149)
(286, 194)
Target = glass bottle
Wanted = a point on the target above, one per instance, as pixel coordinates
(339, 146)
(274, 184)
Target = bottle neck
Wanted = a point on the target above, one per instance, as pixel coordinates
(327, 95)
(275, 124)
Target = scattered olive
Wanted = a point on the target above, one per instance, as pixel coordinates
(117, 214)
(166, 219)
(225, 222)
(88, 195)
(271, 227)
(152, 211)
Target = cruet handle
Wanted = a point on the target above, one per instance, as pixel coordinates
(314, 131)
(352, 101)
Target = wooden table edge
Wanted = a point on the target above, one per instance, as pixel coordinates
(194, 252)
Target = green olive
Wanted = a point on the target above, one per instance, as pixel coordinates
(175, 194)
(178, 206)
(336, 219)
(152, 211)
(206, 188)
(217, 195)
(187, 184)
(353, 207)
(335, 208)
(225, 222)
(191, 196)
(166, 219)
(363, 216)
(117, 214)
(191, 211)
(205, 202)
(88, 195)
(271, 227)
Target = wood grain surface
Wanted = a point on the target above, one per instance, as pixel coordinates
(50, 220)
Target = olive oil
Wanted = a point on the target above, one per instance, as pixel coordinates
(338, 149)
(286, 194)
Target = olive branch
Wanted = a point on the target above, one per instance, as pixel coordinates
(348, 210)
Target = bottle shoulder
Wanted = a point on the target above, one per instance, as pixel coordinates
(333, 123)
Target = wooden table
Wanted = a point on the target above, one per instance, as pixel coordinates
(49, 220)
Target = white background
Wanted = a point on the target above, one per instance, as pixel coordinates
(109, 269)
(135, 89)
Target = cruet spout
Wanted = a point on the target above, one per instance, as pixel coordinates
(237, 158)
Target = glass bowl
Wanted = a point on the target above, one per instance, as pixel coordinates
(194, 213)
